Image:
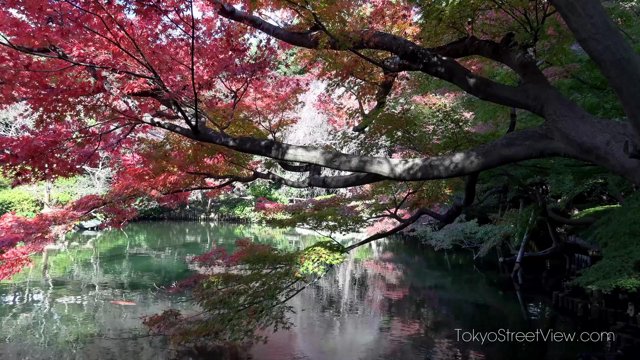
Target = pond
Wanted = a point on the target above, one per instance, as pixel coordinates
(392, 299)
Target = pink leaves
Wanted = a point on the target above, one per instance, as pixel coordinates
(136, 86)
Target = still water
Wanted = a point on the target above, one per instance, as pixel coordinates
(391, 300)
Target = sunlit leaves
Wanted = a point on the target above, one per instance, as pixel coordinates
(316, 259)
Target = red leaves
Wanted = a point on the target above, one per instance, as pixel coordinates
(129, 60)
(268, 206)
(21, 237)
(218, 260)
(218, 256)
(160, 323)
(25, 155)
(93, 75)
(97, 78)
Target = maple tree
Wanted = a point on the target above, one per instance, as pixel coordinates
(182, 96)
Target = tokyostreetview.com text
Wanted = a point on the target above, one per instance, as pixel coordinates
(539, 335)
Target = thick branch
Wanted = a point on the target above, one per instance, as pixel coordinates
(294, 168)
(410, 56)
(326, 182)
(230, 179)
(458, 206)
(381, 100)
(520, 62)
(514, 147)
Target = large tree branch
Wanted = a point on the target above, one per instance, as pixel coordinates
(514, 147)
(458, 206)
(604, 43)
(503, 52)
(327, 182)
(471, 182)
(294, 168)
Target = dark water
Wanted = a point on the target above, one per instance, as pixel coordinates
(391, 300)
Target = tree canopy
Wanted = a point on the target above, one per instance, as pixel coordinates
(179, 97)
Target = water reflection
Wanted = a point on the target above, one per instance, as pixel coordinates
(403, 302)
(73, 303)
(388, 300)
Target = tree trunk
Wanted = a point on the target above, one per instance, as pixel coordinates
(588, 138)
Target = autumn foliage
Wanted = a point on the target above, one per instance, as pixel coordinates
(97, 78)
(178, 97)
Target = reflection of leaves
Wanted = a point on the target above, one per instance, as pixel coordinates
(246, 291)
(156, 256)
(243, 292)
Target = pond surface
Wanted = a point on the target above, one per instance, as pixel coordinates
(391, 300)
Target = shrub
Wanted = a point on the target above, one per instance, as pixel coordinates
(19, 201)
(617, 233)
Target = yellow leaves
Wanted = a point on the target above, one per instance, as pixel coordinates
(316, 259)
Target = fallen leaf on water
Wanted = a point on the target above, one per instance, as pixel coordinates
(122, 302)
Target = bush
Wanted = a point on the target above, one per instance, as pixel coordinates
(265, 190)
(62, 198)
(19, 201)
(467, 235)
(238, 208)
(617, 233)
(4, 183)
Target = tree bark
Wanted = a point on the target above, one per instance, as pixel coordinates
(603, 41)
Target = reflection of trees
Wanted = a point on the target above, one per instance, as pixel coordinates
(388, 300)
(67, 308)
(354, 310)
(403, 302)
(58, 322)
(159, 249)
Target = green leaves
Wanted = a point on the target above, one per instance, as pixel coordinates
(468, 235)
(617, 232)
(19, 201)
(318, 258)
